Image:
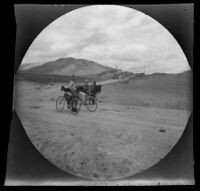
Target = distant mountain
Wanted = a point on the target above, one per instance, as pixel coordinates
(187, 73)
(137, 70)
(68, 66)
(25, 66)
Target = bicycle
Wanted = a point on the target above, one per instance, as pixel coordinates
(76, 102)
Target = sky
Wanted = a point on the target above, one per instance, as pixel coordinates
(111, 35)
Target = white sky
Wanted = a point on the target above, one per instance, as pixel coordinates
(110, 35)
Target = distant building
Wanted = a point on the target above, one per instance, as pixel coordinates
(139, 72)
(118, 74)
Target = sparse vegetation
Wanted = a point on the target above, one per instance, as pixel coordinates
(137, 120)
(163, 91)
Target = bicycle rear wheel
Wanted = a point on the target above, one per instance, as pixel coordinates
(91, 103)
(60, 103)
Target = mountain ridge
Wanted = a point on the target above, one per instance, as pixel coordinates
(68, 66)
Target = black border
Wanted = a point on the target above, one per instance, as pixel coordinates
(11, 71)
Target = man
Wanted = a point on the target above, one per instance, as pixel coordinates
(94, 84)
(86, 85)
(72, 85)
(93, 89)
(71, 90)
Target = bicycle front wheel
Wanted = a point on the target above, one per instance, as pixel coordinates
(91, 103)
(60, 103)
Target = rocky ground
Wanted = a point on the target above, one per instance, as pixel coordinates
(120, 139)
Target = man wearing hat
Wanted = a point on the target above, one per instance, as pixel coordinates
(86, 85)
(71, 90)
(72, 85)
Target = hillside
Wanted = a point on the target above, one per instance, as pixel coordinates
(172, 91)
(28, 65)
(68, 66)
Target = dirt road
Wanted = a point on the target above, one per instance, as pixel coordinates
(114, 142)
(112, 81)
